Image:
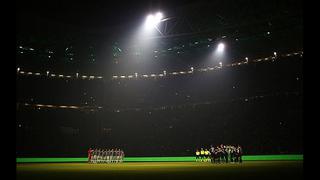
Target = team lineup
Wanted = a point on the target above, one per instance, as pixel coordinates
(105, 156)
(220, 154)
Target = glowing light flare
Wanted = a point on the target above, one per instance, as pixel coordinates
(247, 59)
(150, 22)
(220, 47)
(153, 20)
(158, 17)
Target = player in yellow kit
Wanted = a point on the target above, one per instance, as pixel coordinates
(197, 155)
(202, 155)
(206, 155)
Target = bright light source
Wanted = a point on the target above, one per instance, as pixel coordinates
(275, 53)
(153, 20)
(47, 73)
(158, 17)
(220, 63)
(247, 60)
(18, 69)
(220, 47)
(150, 22)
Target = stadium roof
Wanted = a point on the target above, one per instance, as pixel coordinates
(105, 17)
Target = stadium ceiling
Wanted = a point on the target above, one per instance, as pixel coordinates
(191, 18)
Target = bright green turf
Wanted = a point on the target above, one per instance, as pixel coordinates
(292, 157)
(162, 170)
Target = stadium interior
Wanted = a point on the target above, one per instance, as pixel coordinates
(168, 95)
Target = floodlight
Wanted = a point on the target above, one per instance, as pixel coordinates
(153, 20)
(220, 47)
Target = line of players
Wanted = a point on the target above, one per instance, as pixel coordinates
(220, 154)
(105, 155)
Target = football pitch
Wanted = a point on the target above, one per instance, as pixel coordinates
(162, 170)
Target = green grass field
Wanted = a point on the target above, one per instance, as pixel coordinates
(162, 170)
(276, 157)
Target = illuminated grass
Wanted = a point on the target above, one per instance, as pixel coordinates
(166, 159)
(162, 170)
